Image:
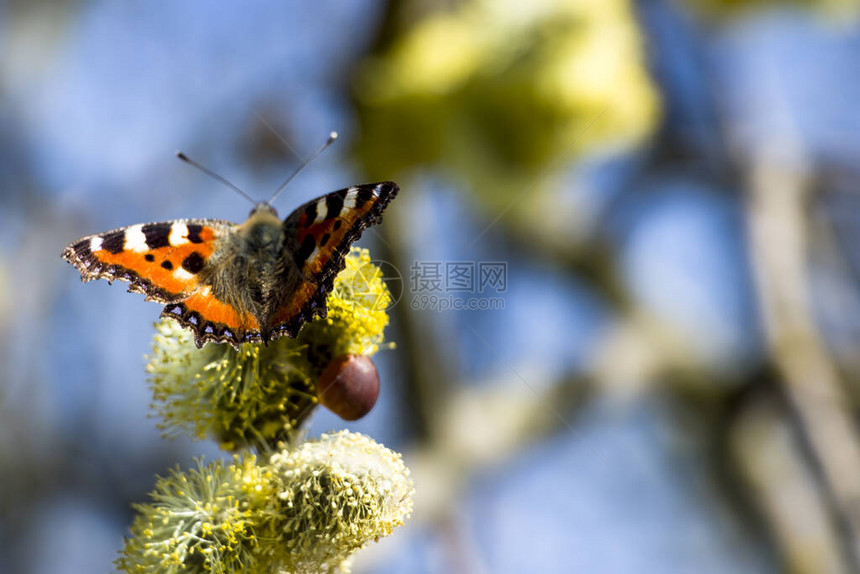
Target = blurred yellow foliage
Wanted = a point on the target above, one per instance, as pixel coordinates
(497, 91)
(836, 10)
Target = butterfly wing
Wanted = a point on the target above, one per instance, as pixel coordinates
(160, 260)
(322, 231)
(165, 262)
(213, 320)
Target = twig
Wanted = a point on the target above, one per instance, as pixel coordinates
(777, 230)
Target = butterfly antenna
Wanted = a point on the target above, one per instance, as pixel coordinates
(214, 175)
(332, 136)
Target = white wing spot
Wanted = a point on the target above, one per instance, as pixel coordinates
(178, 234)
(322, 210)
(96, 244)
(313, 256)
(349, 200)
(183, 275)
(135, 240)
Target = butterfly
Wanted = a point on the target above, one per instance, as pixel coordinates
(238, 283)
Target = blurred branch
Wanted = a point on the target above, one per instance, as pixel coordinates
(479, 426)
(766, 445)
(484, 427)
(777, 230)
(428, 373)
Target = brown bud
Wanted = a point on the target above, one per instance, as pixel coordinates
(349, 386)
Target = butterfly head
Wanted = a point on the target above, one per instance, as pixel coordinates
(263, 208)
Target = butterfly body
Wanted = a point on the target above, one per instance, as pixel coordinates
(251, 269)
(238, 283)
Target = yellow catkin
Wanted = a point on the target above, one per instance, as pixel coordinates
(261, 394)
(305, 510)
(336, 494)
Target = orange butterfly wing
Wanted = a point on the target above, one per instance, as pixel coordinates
(160, 260)
(163, 261)
(323, 230)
